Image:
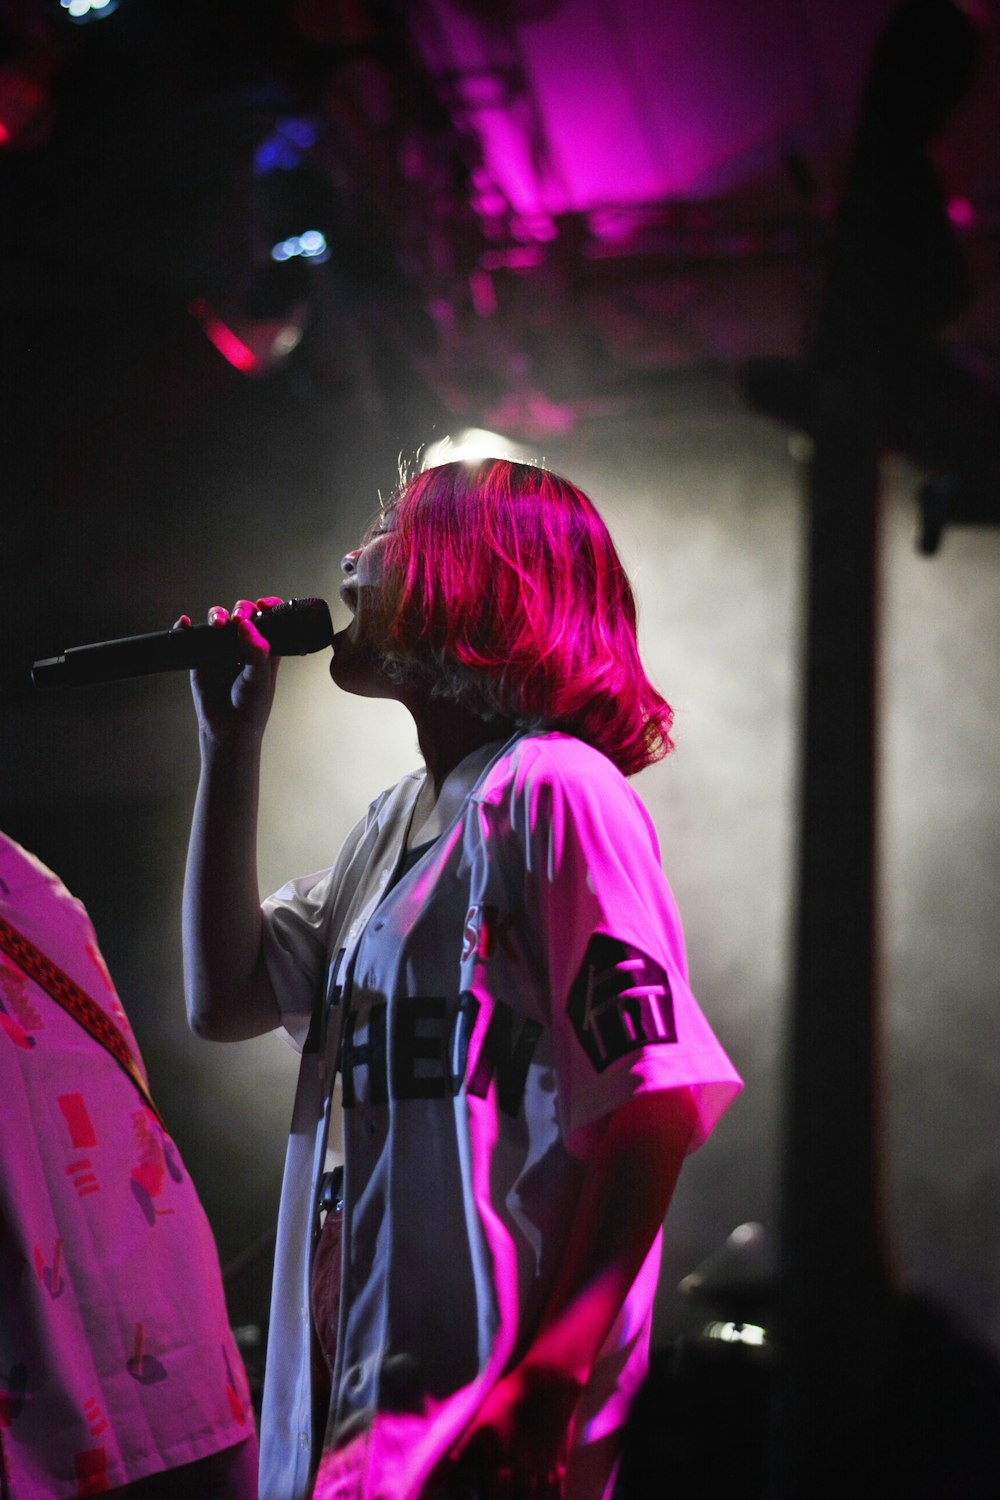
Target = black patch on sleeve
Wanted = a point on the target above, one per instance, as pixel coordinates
(620, 1001)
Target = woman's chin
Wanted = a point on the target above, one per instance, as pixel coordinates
(358, 667)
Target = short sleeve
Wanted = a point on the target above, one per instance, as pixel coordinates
(303, 921)
(295, 951)
(606, 933)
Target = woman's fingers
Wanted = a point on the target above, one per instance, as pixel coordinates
(243, 609)
(244, 613)
(253, 650)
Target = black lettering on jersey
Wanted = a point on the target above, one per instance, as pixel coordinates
(369, 1054)
(506, 1056)
(620, 1001)
(418, 1049)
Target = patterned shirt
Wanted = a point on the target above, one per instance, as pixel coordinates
(116, 1356)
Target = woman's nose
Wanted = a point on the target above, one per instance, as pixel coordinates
(349, 564)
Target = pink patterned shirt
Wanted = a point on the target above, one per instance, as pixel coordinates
(116, 1357)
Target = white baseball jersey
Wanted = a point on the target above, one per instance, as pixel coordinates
(522, 980)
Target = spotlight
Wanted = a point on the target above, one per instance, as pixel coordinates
(251, 340)
(311, 245)
(25, 107)
(82, 11)
(962, 213)
(737, 1333)
(283, 149)
(469, 446)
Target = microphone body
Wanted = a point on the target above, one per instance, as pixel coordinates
(294, 628)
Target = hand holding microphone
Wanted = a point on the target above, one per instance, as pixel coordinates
(289, 629)
(234, 658)
(233, 694)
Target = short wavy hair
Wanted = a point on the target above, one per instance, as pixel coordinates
(508, 596)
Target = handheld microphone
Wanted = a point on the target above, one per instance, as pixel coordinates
(291, 629)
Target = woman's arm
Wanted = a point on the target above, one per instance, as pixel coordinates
(229, 994)
(518, 1441)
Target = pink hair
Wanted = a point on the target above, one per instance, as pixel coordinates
(512, 598)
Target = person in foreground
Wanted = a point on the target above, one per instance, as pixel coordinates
(119, 1375)
(494, 970)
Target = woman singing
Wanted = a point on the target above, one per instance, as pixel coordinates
(493, 973)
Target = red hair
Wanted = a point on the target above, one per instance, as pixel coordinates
(508, 594)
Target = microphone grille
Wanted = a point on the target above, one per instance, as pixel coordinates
(297, 627)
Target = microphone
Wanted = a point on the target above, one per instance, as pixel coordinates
(294, 628)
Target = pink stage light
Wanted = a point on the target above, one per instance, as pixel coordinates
(484, 296)
(25, 106)
(228, 343)
(962, 213)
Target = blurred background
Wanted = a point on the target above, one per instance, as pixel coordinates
(252, 251)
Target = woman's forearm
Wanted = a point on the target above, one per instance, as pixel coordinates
(229, 994)
(628, 1190)
(523, 1428)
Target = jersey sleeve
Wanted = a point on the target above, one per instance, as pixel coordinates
(607, 934)
(304, 920)
(297, 933)
(295, 948)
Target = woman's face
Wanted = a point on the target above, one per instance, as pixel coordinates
(357, 664)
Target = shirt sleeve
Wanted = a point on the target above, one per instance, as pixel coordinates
(295, 949)
(297, 934)
(606, 932)
(302, 921)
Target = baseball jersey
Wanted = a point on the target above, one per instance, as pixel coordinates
(520, 981)
(116, 1356)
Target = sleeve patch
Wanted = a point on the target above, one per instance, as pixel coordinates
(620, 1001)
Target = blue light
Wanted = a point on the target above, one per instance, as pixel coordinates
(304, 133)
(276, 155)
(283, 149)
(311, 245)
(81, 11)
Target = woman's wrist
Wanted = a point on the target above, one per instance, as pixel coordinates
(237, 745)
